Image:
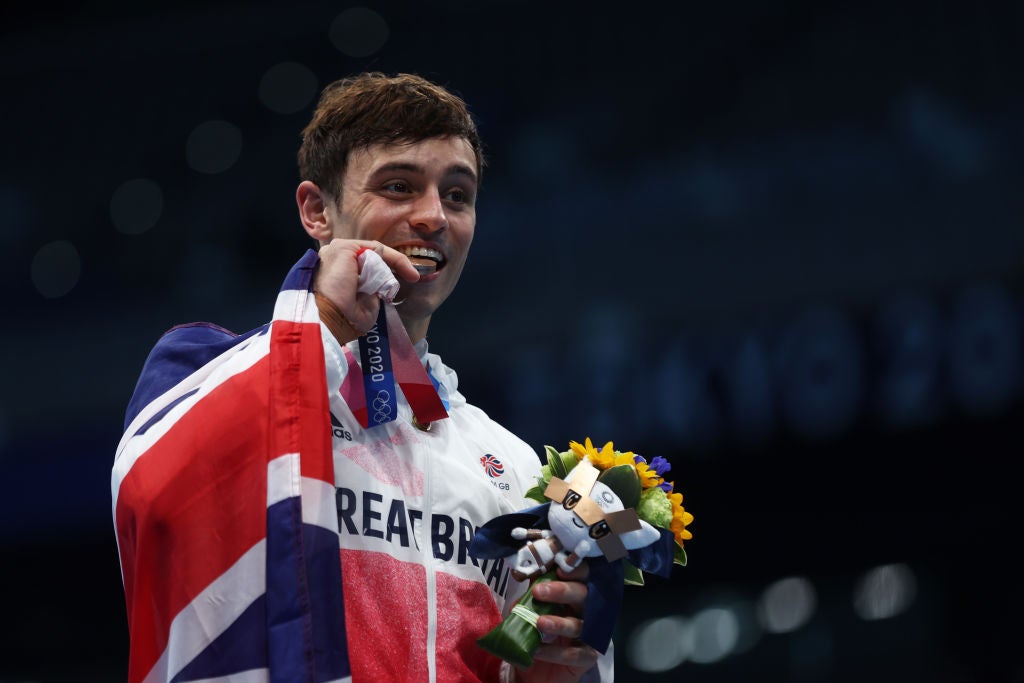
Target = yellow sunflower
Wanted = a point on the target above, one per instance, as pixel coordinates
(649, 478)
(680, 519)
(602, 459)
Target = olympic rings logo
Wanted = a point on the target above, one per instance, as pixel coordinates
(382, 407)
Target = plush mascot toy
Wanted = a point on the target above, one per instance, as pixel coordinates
(590, 514)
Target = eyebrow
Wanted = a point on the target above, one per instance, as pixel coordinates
(454, 169)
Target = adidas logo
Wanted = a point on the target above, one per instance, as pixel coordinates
(338, 430)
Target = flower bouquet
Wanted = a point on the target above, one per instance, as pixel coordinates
(613, 509)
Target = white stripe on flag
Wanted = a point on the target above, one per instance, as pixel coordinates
(296, 305)
(285, 481)
(207, 378)
(283, 478)
(318, 504)
(212, 612)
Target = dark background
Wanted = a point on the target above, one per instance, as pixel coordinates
(779, 244)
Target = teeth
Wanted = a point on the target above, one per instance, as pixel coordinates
(424, 259)
(423, 252)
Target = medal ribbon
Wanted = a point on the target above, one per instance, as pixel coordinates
(381, 401)
(412, 377)
(387, 355)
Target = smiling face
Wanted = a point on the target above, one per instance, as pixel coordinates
(419, 198)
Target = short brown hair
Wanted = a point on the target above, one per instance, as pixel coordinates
(371, 108)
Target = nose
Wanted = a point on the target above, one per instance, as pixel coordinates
(428, 213)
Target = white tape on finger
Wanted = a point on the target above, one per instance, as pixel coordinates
(375, 277)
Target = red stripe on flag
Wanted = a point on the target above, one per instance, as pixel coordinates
(191, 506)
(300, 408)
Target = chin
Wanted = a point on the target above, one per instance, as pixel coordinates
(412, 307)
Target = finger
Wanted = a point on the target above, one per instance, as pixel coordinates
(337, 279)
(575, 655)
(570, 593)
(554, 626)
(398, 262)
(337, 273)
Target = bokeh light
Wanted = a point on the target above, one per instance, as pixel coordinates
(213, 147)
(136, 205)
(885, 592)
(56, 268)
(787, 604)
(287, 87)
(659, 644)
(359, 32)
(712, 635)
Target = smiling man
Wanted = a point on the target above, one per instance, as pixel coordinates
(418, 199)
(251, 463)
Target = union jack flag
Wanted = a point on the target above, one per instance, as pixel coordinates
(492, 466)
(223, 505)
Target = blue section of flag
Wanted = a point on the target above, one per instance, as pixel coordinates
(241, 647)
(181, 351)
(303, 603)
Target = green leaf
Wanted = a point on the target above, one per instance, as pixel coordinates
(555, 463)
(680, 555)
(632, 575)
(624, 481)
(537, 494)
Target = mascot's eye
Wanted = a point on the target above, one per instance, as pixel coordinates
(600, 530)
(571, 498)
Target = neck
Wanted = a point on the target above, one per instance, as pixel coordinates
(417, 328)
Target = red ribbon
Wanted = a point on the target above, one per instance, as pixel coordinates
(410, 374)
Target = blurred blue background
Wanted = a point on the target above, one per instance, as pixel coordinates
(779, 244)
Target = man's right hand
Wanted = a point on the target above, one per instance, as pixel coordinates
(337, 285)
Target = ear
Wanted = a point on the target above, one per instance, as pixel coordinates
(313, 203)
(643, 536)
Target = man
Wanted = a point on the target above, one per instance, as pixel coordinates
(229, 558)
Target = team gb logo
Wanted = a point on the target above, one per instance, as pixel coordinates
(492, 466)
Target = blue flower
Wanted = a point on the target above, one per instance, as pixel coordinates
(660, 465)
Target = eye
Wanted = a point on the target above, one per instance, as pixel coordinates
(398, 187)
(570, 500)
(456, 195)
(600, 530)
